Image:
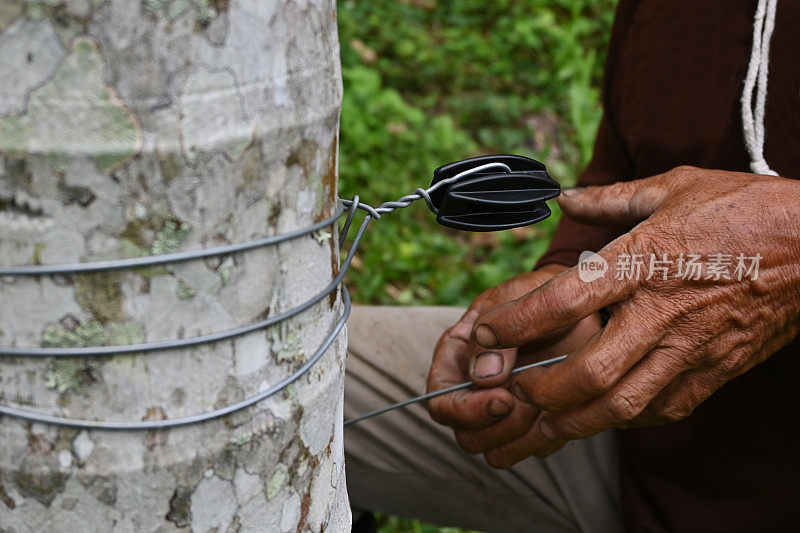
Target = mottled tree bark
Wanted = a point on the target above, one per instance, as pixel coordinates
(138, 127)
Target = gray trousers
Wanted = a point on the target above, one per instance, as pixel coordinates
(404, 463)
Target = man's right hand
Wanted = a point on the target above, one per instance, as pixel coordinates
(491, 419)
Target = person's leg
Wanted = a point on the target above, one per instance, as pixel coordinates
(403, 463)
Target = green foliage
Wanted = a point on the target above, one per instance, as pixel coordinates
(428, 82)
(395, 524)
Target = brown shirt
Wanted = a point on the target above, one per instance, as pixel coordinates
(674, 78)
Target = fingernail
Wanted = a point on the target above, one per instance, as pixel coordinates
(521, 395)
(487, 364)
(498, 408)
(572, 191)
(485, 336)
(547, 430)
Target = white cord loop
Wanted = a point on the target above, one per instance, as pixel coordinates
(757, 73)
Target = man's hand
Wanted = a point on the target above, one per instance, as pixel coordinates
(491, 420)
(670, 343)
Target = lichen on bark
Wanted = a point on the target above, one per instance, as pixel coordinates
(150, 127)
(92, 119)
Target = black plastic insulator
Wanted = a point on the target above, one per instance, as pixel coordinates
(493, 199)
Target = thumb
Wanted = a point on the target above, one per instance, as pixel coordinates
(563, 301)
(625, 203)
(491, 368)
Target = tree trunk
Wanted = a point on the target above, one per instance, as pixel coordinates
(145, 127)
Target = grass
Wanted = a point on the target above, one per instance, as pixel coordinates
(428, 82)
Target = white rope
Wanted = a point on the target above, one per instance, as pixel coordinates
(757, 72)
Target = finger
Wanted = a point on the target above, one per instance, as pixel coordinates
(549, 449)
(464, 408)
(471, 410)
(491, 368)
(620, 405)
(562, 301)
(513, 426)
(531, 443)
(624, 203)
(594, 369)
(450, 355)
(461, 330)
(679, 399)
(449, 367)
(566, 340)
(450, 358)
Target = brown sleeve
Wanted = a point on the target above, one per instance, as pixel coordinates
(571, 238)
(610, 163)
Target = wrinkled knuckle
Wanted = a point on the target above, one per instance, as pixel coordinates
(682, 173)
(673, 357)
(447, 335)
(441, 346)
(728, 364)
(597, 375)
(554, 303)
(460, 330)
(672, 412)
(732, 362)
(740, 320)
(569, 429)
(624, 406)
(641, 243)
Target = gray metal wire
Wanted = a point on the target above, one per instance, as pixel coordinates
(138, 262)
(428, 396)
(163, 259)
(422, 194)
(88, 351)
(193, 419)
